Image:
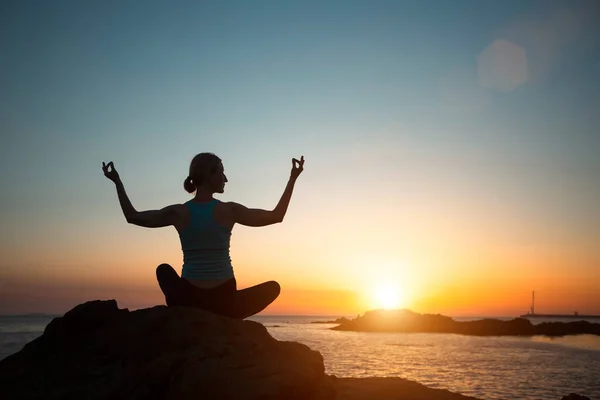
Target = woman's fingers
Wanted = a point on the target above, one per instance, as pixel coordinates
(297, 166)
(108, 169)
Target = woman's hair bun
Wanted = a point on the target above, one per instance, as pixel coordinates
(188, 185)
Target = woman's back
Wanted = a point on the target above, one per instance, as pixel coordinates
(205, 243)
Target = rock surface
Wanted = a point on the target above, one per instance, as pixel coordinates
(98, 351)
(408, 321)
(575, 396)
(390, 389)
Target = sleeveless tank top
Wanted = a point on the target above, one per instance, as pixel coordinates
(205, 245)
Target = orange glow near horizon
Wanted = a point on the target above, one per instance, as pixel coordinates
(481, 295)
(425, 264)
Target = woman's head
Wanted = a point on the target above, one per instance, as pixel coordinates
(206, 170)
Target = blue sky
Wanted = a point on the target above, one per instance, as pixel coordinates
(384, 99)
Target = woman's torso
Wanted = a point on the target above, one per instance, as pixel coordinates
(204, 229)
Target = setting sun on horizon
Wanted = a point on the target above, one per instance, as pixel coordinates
(388, 297)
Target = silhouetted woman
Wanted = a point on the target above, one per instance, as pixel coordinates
(204, 225)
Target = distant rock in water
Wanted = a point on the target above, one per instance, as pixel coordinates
(98, 351)
(408, 321)
(341, 320)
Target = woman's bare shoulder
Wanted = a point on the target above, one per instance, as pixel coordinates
(182, 215)
(177, 209)
(224, 213)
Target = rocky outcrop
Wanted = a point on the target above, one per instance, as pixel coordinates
(408, 321)
(98, 351)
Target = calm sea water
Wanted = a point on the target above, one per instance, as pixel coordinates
(485, 367)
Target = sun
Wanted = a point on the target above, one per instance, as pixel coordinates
(390, 284)
(387, 297)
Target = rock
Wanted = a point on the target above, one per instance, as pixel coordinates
(408, 321)
(575, 396)
(340, 320)
(399, 389)
(390, 389)
(98, 351)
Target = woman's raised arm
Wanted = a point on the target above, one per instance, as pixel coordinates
(258, 217)
(149, 219)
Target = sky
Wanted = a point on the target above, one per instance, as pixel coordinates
(451, 149)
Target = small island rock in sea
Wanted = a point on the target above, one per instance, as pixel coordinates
(98, 351)
(409, 321)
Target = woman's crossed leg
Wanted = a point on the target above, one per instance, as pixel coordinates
(224, 299)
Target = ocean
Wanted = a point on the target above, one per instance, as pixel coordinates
(485, 367)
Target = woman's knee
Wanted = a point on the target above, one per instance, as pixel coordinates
(274, 288)
(165, 271)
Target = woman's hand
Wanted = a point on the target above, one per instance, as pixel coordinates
(110, 172)
(297, 169)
